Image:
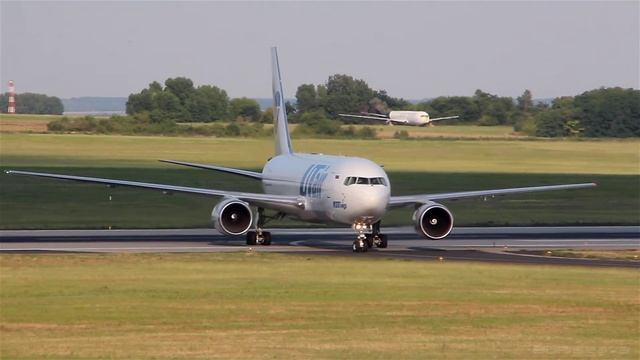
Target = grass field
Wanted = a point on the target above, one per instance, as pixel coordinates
(40, 203)
(248, 305)
(633, 254)
(491, 156)
(450, 131)
(26, 123)
(38, 124)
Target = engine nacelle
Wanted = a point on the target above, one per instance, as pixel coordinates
(433, 220)
(232, 217)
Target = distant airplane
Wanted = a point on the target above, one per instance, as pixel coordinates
(412, 118)
(314, 187)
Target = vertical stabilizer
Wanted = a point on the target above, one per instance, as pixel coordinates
(280, 126)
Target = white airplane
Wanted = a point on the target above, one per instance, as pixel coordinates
(316, 188)
(413, 118)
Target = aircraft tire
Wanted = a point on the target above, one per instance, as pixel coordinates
(383, 241)
(369, 240)
(360, 246)
(251, 238)
(267, 238)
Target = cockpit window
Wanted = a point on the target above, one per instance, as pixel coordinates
(351, 180)
(377, 181)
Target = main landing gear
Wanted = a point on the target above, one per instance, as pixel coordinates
(260, 237)
(366, 241)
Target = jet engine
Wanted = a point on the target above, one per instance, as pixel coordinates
(433, 220)
(232, 217)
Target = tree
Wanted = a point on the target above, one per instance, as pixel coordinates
(137, 103)
(613, 112)
(306, 97)
(346, 95)
(462, 106)
(492, 109)
(315, 123)
(155, 87)
(550, 124)
(181, 87)
(378, 106)
(267, 116)
(391, 102)
(167, 102)
(245, 108)
(207, 103)
(525, 101)
(180, 101)
(30, 103)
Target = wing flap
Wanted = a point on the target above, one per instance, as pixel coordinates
(397, 201)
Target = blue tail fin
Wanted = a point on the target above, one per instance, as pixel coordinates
(281, 127)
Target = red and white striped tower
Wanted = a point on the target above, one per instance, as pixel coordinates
(12, 98)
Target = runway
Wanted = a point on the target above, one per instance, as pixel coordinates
(506, 244)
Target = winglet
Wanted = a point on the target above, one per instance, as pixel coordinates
(281, 127)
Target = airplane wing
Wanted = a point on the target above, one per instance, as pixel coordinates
(373, 114)
(398, 201)
(263, 200)
(247, 173)
(444, 118)
(387, 120)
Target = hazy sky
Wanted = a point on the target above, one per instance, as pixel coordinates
(412, 49)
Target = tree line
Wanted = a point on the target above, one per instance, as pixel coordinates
(604, 112)
(29, 103)
(178, 100)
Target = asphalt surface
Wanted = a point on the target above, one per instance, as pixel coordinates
(514, 245)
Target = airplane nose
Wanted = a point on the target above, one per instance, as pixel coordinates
(373, 201)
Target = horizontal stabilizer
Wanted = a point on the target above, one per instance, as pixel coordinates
(247, 173)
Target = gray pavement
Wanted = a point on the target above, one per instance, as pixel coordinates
(506, 244)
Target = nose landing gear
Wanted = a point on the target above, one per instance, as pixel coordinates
(361, 244)
(366, 241)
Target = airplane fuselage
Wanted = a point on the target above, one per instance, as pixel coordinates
(415, 118)
(341, 189)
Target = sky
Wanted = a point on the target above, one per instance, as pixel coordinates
(414, 50)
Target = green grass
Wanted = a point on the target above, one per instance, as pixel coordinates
(40, 203)
(451, 131)
(490, 156)
(11, 122)
(248, 305)
(595, 254)
(28, 117)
